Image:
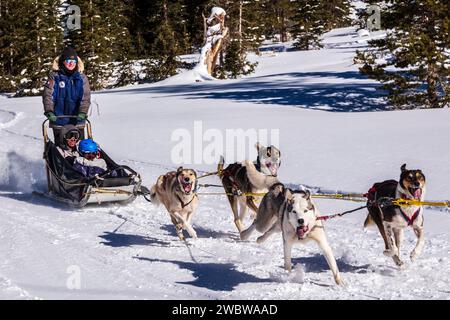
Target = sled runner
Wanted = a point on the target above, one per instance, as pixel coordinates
(118, 183)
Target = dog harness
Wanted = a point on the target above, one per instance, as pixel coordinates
(372, 200)
(409, 220)
(183, 205)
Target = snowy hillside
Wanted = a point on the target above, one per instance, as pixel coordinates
(335, 134)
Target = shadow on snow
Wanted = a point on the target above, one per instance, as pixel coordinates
(318, 264)
(212, 276)
(128, 240)
(328, 91)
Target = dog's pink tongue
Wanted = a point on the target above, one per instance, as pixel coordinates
(300, 232)
(418, 194)
(273, 169)
(187, 187)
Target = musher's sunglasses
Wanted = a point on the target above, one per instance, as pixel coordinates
(72, 135)
(69, 61)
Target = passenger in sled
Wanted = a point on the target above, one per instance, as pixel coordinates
(84, 156)
(90, 164)
(68, 146)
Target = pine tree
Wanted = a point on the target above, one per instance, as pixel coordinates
(315, 17)
(413, 61)
(168, 38)
(336, 14)
(102, 39)
(308, 25)
(12, 28)
(43, 44)
(28, 44)
(277, 17)
(194, 21)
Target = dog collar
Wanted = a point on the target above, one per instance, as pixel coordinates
(183, 205)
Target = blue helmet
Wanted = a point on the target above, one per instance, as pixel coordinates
(88, 146)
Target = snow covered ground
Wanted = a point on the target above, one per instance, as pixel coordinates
(335, 134)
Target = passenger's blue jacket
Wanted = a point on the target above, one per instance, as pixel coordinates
(67, 95)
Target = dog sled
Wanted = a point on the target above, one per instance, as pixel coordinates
(69, 186)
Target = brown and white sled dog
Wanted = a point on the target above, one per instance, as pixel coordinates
(392, 220)
(296, 215)
(249, 177)
(176, 190)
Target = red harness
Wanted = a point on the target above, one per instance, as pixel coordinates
(371, 196)
(409, 220)
(231, 174)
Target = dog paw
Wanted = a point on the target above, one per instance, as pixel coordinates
(400, 264)
(339, 281)
(414, 255)
(193, 235)
(244, 235)
(389, 253)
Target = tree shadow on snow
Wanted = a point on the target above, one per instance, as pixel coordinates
(327, 91)
(213, 276)
(128, 240)
(318, 264)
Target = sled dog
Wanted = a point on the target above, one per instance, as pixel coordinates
(296, 215)
(239, 179)
(176, 190)
(391, 220)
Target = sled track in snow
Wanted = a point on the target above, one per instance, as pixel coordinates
(9, 118)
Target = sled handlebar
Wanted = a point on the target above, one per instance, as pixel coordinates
(44, 127)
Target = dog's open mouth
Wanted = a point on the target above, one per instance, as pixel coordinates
(416, 192)
(273, 168)
(187, 186)
(301, 231)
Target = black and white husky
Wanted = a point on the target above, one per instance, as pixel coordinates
(391, 220)
(297, 216)
(239, 179)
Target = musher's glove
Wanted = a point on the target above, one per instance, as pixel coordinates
(51, 116)
(82, 116)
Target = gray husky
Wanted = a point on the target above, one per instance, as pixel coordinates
(296, 216)
(238, 179)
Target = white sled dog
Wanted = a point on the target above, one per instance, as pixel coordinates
(177, 191)
(249, 177)
(296, 215)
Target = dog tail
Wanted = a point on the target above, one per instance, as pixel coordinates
(369, 221)
(153, 196)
